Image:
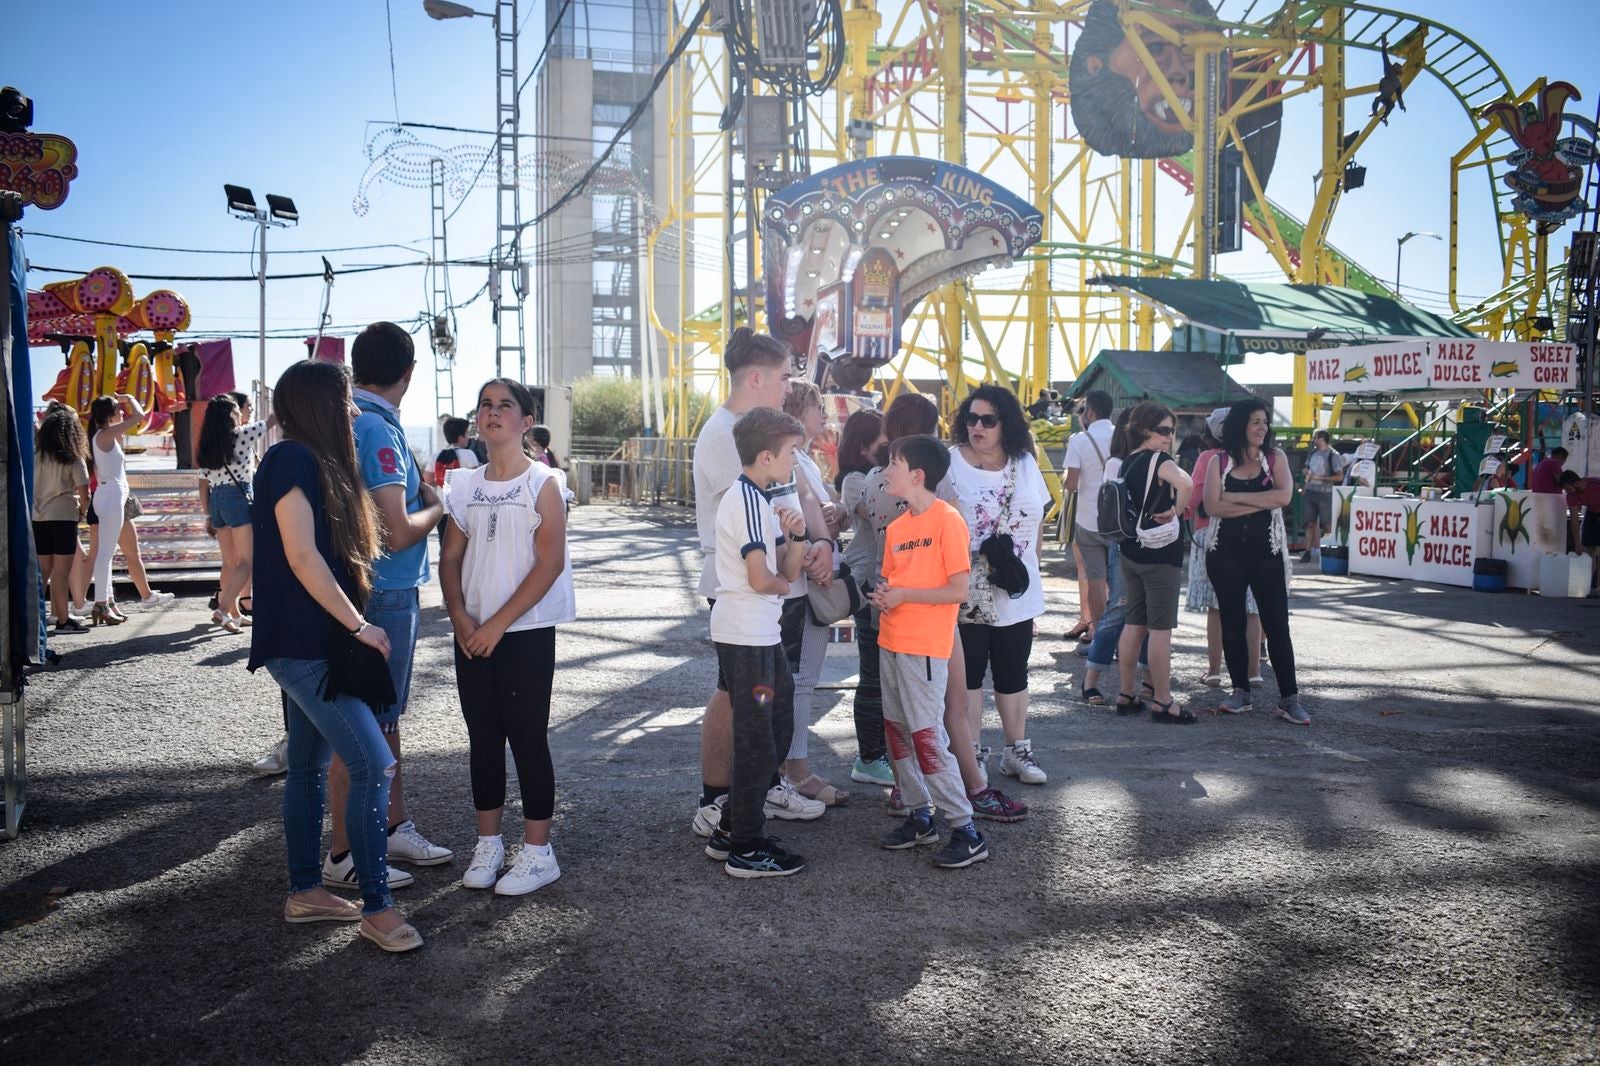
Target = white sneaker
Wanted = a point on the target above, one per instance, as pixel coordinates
(275, 761)
(157, 599)
(343, 875)
(707, 818)
(529, 873)
(78, 610)
(1017, 761)
(487, 858)
(784, 802)
(408, 845)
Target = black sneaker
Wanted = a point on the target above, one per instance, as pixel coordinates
(911, 833)
(766, 859)
(719, 845)
(966, 847)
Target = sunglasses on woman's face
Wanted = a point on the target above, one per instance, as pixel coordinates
(988, 421)
(1165, 431)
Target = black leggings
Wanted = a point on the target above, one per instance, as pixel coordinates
(869, 691)
(506, 698)
(1261, 572)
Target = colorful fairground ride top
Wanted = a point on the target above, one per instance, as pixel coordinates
(850, 251)
(88, 317)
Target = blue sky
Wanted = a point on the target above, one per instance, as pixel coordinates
(167, 106)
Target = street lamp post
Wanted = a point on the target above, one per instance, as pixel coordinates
(1400, 247)
(509, 336)
(280, 211)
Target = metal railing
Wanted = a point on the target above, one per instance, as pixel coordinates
(643, 470)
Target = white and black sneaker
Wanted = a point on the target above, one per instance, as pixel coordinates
(766, 859)
(784, 801)
(707, 818)
(408, 845)
(342, 874)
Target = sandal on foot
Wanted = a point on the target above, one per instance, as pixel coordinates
(816, 788)
(1162, 712)
(1126, 704)
(1211, 680)
(1094, 697)
(1076, 632)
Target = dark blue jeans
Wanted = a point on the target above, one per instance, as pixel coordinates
(1103, 648)
(318, 728)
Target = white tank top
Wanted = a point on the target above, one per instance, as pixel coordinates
(110, 467)
(500, 519)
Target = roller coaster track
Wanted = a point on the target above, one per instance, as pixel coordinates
(1465, 69)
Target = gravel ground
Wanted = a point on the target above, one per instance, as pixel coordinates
(1413, 878)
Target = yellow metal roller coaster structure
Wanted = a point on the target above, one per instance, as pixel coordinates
(984, 83)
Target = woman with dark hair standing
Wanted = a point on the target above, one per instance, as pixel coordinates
(540, 435)
(909, 415)
(994, 481)
(1245, 493)
(859, 441)
(316, 536)
(1152, 561)
(111, 418)
(61, 499)
(226, 458)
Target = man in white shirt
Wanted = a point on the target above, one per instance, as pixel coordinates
(759, 370)
(1087, 453)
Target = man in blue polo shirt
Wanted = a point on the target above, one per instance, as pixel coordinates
(382, 360)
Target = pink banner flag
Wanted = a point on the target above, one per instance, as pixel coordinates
(216, 368)
(329, 350)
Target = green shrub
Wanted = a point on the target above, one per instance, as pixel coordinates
(609, 407)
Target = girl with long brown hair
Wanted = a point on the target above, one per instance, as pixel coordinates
(61, 499)
(316, 536)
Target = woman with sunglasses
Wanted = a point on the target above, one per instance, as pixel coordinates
(1159, 490)
(1245, 493)
(994, 480)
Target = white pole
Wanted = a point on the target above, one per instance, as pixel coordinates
(261, 277)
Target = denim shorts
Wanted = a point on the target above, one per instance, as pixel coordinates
(395, 611)
(230, 506)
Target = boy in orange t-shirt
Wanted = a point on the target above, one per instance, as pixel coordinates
(924, 582)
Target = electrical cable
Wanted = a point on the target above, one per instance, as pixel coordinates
(394, 83)
(219, 251)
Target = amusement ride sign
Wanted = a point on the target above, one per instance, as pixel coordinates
(1443, 365)
(38, 166)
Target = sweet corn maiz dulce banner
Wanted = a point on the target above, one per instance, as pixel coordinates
(1443, 365)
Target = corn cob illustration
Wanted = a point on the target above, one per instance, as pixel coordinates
(1514, 523)
(1346, 500)
(1413, 532)
(1356, 373)
(1503, 369)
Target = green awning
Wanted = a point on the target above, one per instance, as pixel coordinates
(1192, 381)
(1234, 319)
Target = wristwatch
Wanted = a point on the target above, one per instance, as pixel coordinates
(358, 630)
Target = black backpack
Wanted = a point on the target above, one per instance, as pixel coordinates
(1119, 513)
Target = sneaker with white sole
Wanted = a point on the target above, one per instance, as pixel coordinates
(1237, 702)
(786, 803)
(1290, 710)
(897, 805)
(275, 761)
(767, 858)
(876, 772)
(965, 847)
(996, 806)
(719, 846)
(707, 818)
(408, 845)
(342, 874)
(1017, 761)
(531, 872)
(487, 857)
(916, 831)
(157, 599)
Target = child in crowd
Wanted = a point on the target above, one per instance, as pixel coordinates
(507, 582)
(924, 581)
(457, 455)
(759, 553)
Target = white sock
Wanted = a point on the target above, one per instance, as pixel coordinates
(542, 850)
(490, 840)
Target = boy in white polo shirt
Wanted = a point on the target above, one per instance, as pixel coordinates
(759, 551)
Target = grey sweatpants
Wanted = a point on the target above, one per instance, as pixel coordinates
(913, 728)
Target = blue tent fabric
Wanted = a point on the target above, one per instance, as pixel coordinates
(26, 592)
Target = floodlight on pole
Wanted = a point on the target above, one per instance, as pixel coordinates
(280, 211)
(1400, 247)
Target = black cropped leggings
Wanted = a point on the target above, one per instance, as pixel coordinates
(505, 698)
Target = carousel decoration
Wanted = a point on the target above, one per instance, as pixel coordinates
(1547, 169)
(849, 252)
